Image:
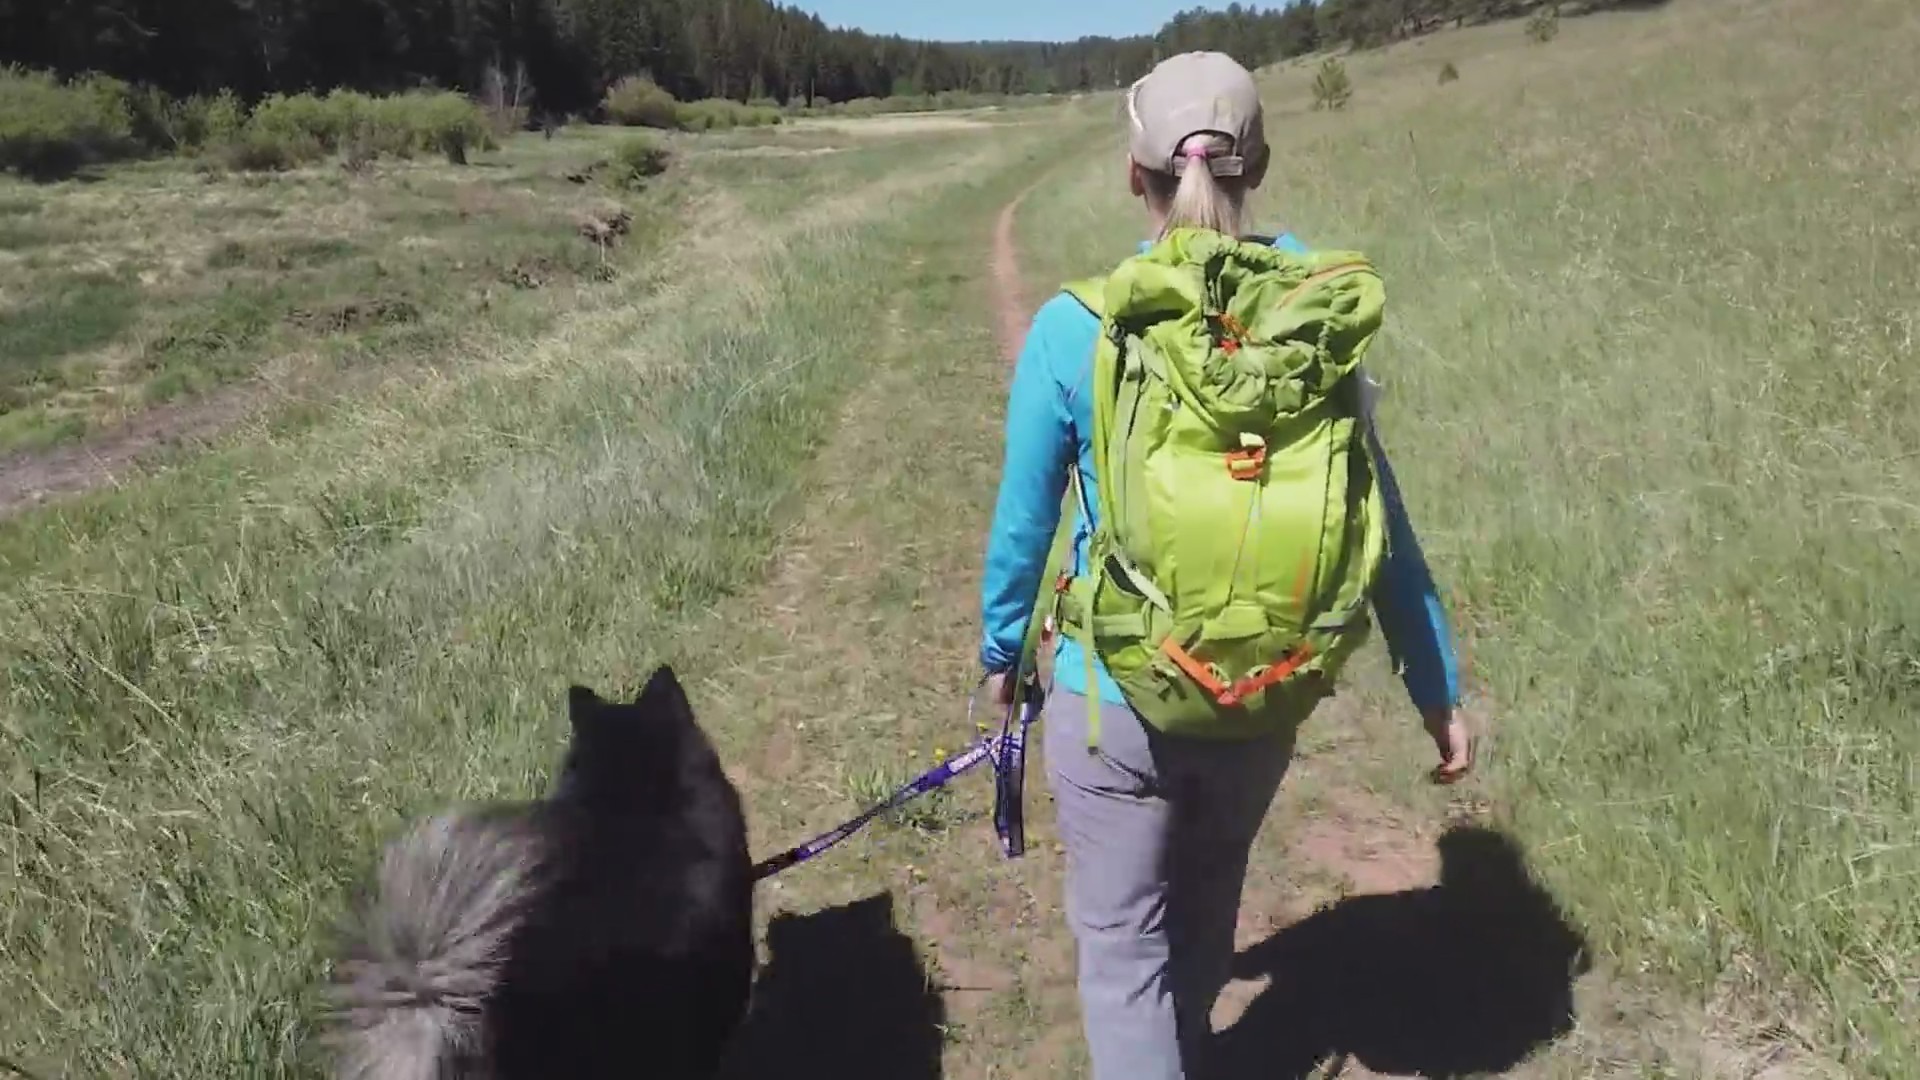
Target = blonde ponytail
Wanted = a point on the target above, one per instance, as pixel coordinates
(1197, 199)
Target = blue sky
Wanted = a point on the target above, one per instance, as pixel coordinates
(999, 20)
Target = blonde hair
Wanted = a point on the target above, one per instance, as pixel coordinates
(1196, 198)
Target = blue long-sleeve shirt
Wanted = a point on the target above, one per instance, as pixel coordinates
(1050, 424)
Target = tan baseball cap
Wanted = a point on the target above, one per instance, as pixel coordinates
(1191, 94)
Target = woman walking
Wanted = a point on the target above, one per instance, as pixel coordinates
(1158, 812)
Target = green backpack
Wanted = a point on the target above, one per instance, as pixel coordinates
(1241, 526)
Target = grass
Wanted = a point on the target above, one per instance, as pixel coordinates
(225, 682)
(78, 312)
(190, 280)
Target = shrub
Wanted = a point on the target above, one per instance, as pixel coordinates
(637, 159)
(225, 116)
(379, 127)
(445, 122)
(257, 151)
(1332, 89)
(289, 130)
(1449, 73)
(294, 117)
(173, 125)
(637, 101)
(50, 129)
(720, 114)
(165, 123)
(1544, 26)
(115, 101)
(693, 116)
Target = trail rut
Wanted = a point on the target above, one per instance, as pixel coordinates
(29, 477)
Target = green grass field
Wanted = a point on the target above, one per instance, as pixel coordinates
(1650, 285)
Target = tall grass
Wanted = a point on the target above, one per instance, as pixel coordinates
(1653, 291)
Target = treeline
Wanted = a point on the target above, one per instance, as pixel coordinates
(570, 51)
(566, 53)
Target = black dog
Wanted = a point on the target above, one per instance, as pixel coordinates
(605, 931)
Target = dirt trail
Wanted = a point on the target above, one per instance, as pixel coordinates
(1009, 294)
(28, 477)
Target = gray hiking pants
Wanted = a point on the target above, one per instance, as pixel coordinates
(1157, 833)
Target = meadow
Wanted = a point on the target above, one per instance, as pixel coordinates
(1649, 282)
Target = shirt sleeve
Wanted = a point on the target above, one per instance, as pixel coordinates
(1412, 618)
(1033, 480)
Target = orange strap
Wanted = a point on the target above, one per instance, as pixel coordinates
(1229, 696)
(1197, 671)
(1288, 664)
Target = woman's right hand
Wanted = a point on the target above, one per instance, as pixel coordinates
(1451, 736)
(1000, 689)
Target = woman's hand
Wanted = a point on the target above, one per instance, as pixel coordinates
(1448, 727)
(1000, 689)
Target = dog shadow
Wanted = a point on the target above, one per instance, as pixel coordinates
(843, 996)
(1471, 976)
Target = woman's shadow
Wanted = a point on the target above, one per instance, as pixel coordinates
(843, 996)
(1469, 977)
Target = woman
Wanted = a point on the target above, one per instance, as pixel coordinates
(1158, 830)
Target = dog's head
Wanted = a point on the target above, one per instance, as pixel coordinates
(637, 752)
(659, 717)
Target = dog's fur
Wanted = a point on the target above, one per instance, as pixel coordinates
(605, 931)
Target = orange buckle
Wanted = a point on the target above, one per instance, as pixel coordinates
(1246, 464)
(1234, 334)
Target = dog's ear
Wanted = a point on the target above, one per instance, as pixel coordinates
(582, 703)
(664, 695)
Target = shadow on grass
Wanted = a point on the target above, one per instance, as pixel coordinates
(1471, 976)
(843, 996)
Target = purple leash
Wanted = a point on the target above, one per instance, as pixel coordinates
(1007, 750)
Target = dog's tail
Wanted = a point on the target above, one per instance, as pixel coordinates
(413, 983)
